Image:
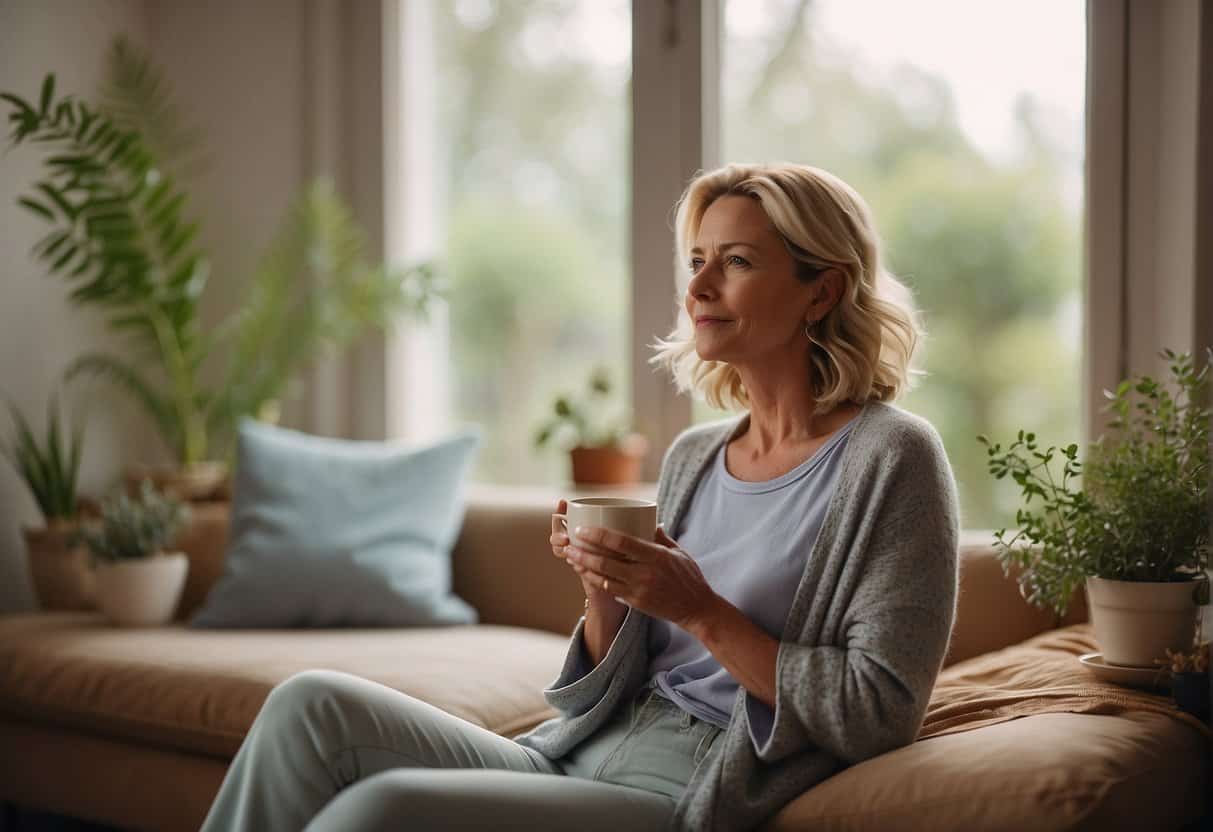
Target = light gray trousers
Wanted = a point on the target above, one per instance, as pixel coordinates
(332, 752)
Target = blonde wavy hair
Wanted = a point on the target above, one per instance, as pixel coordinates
(863, 348)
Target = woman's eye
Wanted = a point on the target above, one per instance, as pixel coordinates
(696, 263)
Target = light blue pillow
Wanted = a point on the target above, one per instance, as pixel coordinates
(339, 532)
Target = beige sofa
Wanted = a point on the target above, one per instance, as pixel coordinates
(135, 728)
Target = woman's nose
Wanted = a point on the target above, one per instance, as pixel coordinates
(703, 282)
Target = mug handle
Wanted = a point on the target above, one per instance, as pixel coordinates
(564, 521)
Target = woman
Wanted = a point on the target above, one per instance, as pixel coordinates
(791, 622)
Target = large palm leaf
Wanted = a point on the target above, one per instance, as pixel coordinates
(119, 236)
(135, 95)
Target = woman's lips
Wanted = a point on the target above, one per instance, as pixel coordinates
(702, 322)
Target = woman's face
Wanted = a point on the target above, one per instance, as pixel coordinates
(744, 278)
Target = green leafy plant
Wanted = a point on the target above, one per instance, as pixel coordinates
(121, 236)
(129, 528)
(1141, 513)
(585, 421)
(1153, 481)
(50, 470)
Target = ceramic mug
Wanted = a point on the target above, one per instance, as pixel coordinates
(635, 517)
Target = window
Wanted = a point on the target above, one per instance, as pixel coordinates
(529, 193)
(971, 156)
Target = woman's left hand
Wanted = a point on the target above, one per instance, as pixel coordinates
(656, 577)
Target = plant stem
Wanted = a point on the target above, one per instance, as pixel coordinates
(193, 433)
(1065, 527)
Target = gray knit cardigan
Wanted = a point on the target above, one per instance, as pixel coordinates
(864, 639)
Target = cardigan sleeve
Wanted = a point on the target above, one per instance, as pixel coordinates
(867, 693)
(579, 686)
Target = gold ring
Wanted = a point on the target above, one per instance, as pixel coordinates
(605, 581)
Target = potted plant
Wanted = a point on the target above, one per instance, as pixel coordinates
(119, 231)
(138, 581)
(1136, 534)
(603, 448)
(58, 567)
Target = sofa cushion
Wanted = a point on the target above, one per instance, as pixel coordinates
(340, 532)
(1025, 738)
(199, 690)
(1051, 771)
(1041, 675)
(120, 784)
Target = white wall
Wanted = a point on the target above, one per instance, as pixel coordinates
(237, 69)
(283, 90)
(40, 332)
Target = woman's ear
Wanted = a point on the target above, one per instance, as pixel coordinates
(829, 291)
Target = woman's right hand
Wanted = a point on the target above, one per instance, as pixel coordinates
(593, 590)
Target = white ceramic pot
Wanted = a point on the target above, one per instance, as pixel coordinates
(143, 592)
(1137, 621)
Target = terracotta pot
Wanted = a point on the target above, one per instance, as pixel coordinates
(141, 592)
(1137, 621)
(615, 465)
(196, 482)
(62, 576)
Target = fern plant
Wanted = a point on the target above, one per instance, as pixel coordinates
(51, 470)
(120, 234)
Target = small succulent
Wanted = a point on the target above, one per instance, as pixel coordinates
(1196, 661)
(131, 529)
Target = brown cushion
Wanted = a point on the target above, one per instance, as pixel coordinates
(1052, 771)
(1024, 738)
(503, 564)
(1041, 675)
(990, 612)
(199, 690)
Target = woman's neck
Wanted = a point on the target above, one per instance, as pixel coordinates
(786, 425)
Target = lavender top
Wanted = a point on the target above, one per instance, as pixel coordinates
(751, 540)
